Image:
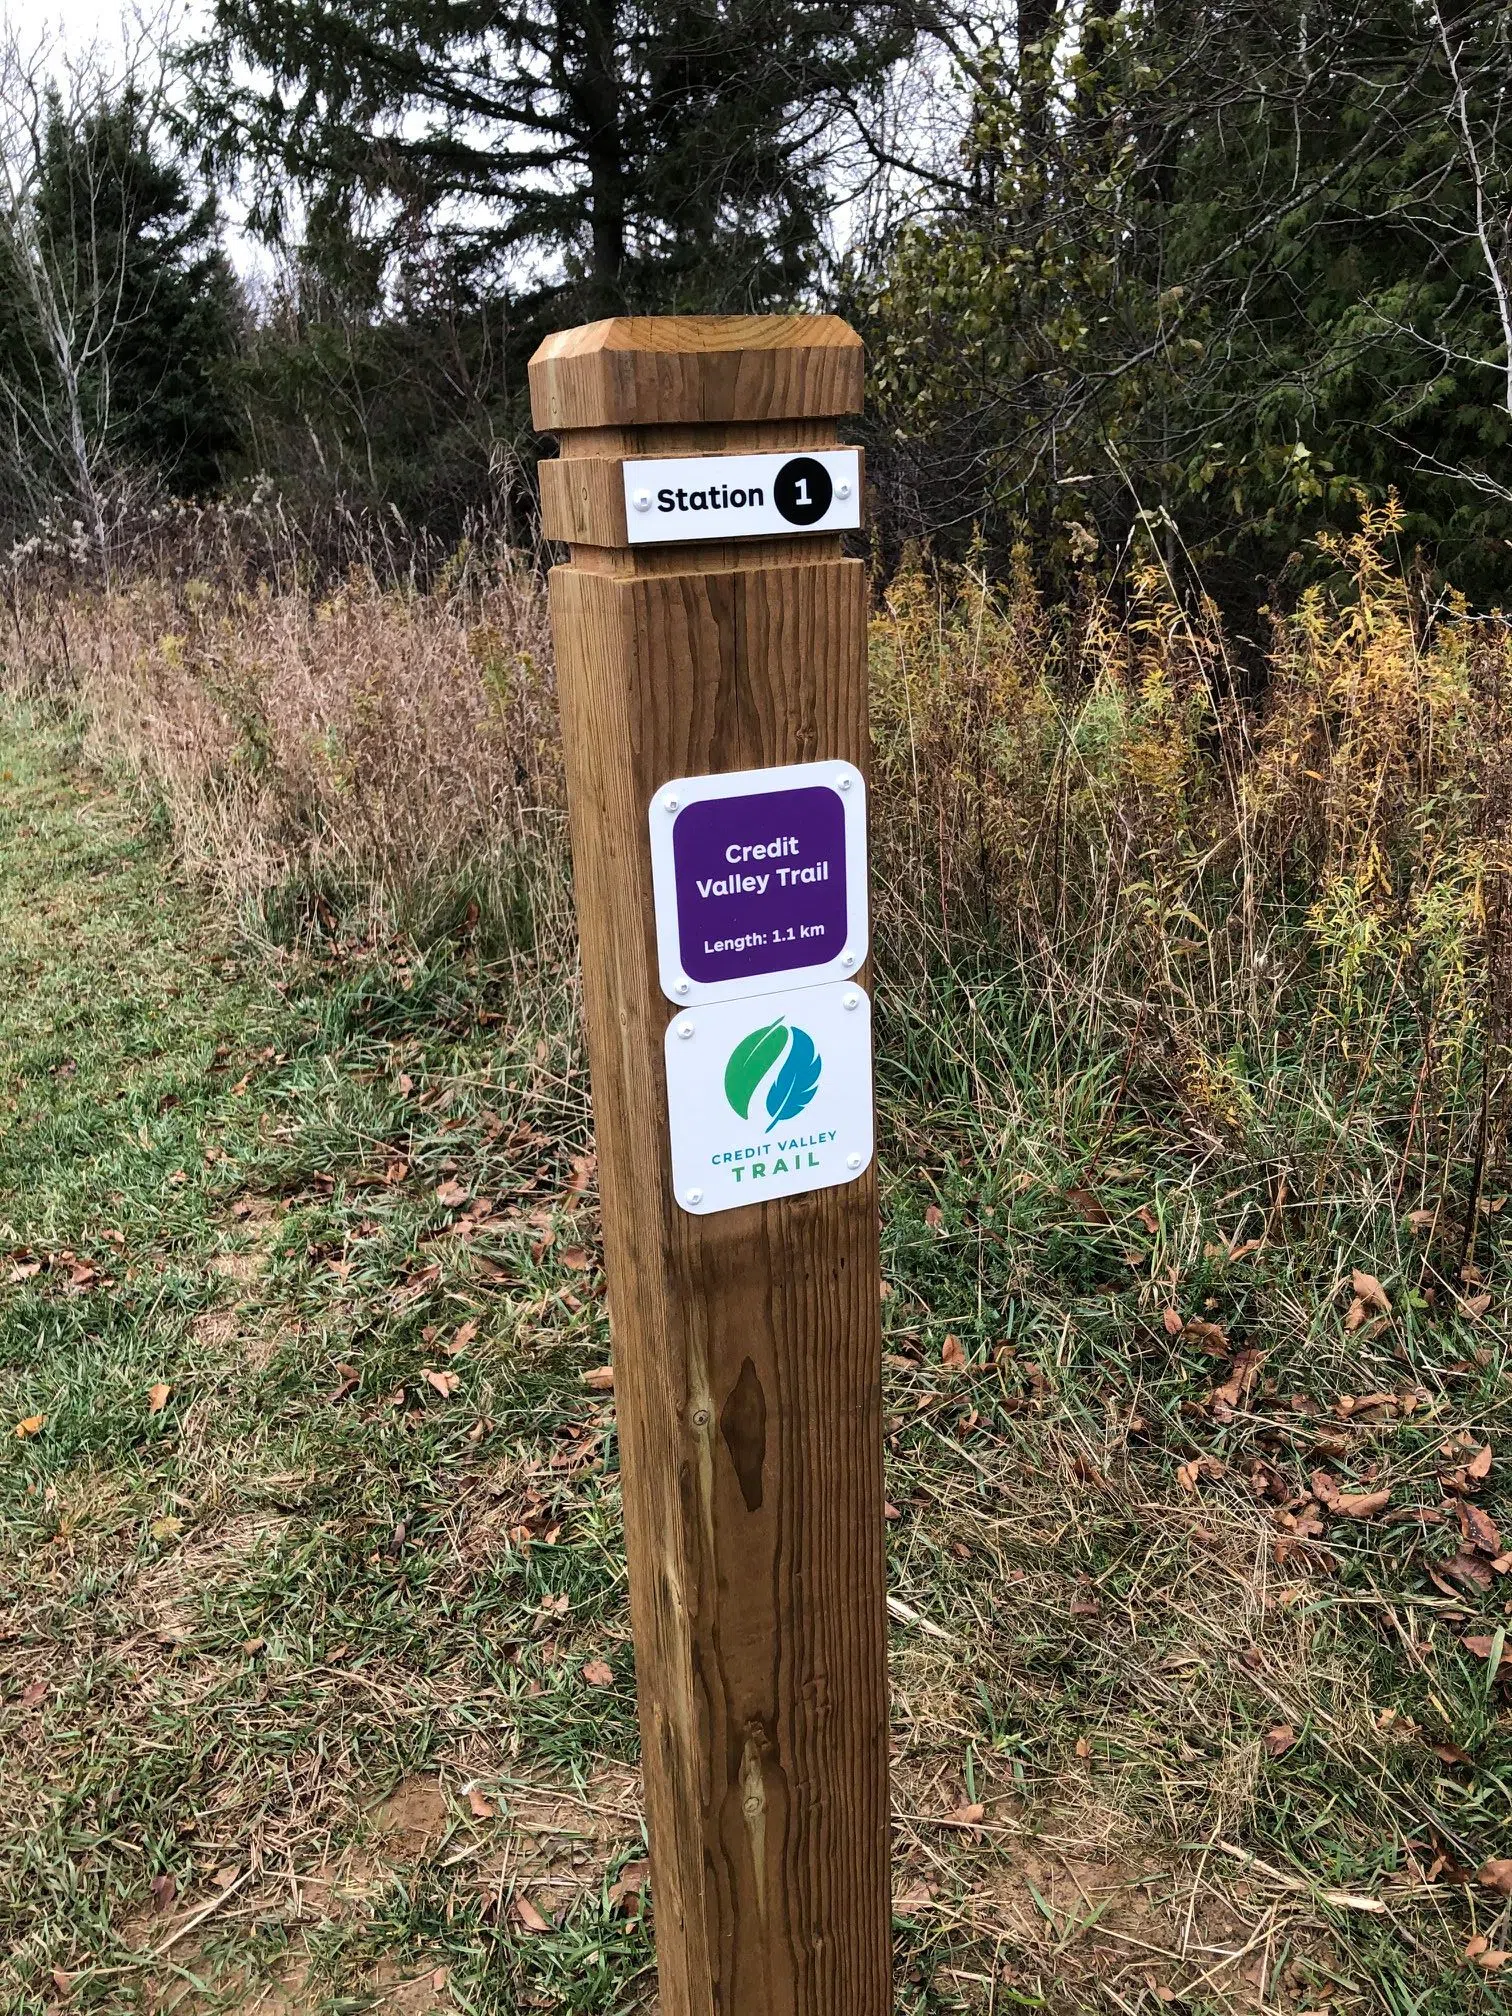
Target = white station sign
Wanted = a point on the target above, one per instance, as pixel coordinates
(769, 1097)
(743, 496)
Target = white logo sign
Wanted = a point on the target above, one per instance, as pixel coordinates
(743, 496)
(769, 1097)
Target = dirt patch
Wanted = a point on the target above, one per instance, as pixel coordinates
(412, 1820)
(241, 1267)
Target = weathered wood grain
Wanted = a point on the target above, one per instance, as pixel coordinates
(747, 1344)
(638, 370)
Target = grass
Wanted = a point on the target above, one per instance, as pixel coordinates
(294, 1703)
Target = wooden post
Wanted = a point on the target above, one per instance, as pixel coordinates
(747, 1344)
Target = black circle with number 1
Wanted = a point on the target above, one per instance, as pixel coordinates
(803, 491)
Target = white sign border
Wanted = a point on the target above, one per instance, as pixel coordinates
(676, 795)
(849, 1068)
(645, 526)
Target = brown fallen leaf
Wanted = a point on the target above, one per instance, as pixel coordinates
(971, 1815)
(1148, 1219)
(598, 1673)
(1173, 1322)
(1475, 1305)
(577, 1258)
(953, 1354)
(1480, 1950)
(1359, 1505)
(1089, 1204)
(1496, 1875)
(526, 1914)
(912, 1899)
(1211, 1336)
(465, 1335)
(1481, 1644)
(157, 1397)
(445, 1383)
(481, 1808)
(1478, 1527)
(625, 1890)
(599, 1379)
(1480, 1463)
(62, 1983)
(1279, 1739)
(934, 1217)
(34, 1695)
(32, 1425)
(164, 1890)
(451, 1193)
(1370, 1291)
(1356, 1313)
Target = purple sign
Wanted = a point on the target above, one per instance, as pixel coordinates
(760, 882)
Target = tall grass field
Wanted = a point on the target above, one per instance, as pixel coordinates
(1194, 987)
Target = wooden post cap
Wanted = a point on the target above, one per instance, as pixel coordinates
(650, 370)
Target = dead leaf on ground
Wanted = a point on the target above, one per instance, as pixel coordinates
(1089, 1204)
(34, 1695)
(934, 1217)
(577, 1258)
(598, 1673)
(625, 1890)
(1496, 1875)
(526, 1914)
(465, 1335)
(32, 1425)
(1475, 1305)
(1478, 1528)
(1480, 1645)
(971, 1815)
(158, 1396)
(1279, 1739)
(953, 1354)
(1370, 1291)
(451, 1193)
(445, 1383)
(164, 1890)
(1173, 1322)
(599, 1379)
(1359, 1505)
(481, 1808)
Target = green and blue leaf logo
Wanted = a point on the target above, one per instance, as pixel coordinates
(781, 1054)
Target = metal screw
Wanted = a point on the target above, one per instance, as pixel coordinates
(669, 804)
(842, 488)
(695, 1196)
(685, 1030)
(643, 500)
(681, 986)
(853, 1161)
(850, 1001)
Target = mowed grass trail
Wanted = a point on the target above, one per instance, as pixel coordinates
(316, 1692)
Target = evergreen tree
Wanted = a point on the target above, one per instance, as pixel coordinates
(662, 155)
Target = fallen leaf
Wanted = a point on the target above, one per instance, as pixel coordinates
(968, 1816)
(452, 1193)
(526, 1914)
(1355, 1315)
(482, 1809)
(164, 1890)
(1089, 1205)
(1279, 1739)
(598, 1673)
(1496, 1875)
(34, 1695)
(1470, 1571)
(625, 1890)
(179, 1178)
(599, 1379)
(62, 1983)
(953, 1354)
(934, 1217)
(1475, 1305)
(1370, 1291)
(1480, 1645)
(917, 1897)
(32, 1425)
(24, 1270)
(157, 1397)
(1148, 1219)
(1480, 1463)
(445, 1383)
(1173, 1321)
(577, 1258)
(1211, 1336)
(1360, 1505)
(1478, 1528)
